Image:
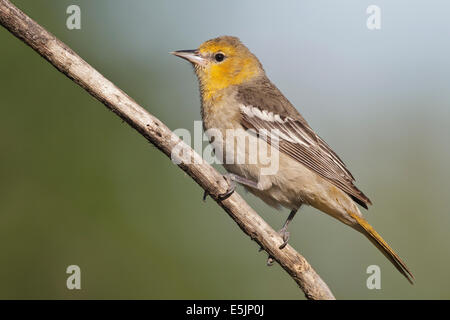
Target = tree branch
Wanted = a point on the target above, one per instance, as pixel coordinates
(70, 64)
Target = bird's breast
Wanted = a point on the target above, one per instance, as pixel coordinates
(221, 112)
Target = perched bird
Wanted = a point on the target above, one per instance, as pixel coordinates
(237, 95)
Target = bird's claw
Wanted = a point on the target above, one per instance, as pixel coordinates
(285, 236)
(205, 195)
(269, 259)
(226, 194)
(231, 188)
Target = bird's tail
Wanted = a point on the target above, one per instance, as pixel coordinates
(365, 228)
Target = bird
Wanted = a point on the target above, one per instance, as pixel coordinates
(239, 101)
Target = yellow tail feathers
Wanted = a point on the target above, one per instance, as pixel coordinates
(378, 241)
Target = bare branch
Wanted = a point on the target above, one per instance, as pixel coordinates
(69, 63)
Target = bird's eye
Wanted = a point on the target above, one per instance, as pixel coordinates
(219, 57)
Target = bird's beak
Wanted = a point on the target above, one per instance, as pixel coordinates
(192, 56)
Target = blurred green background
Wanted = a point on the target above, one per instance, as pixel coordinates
(78, 186)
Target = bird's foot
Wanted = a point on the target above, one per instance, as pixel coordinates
(284, 233)
(231, 188)
(269, 259)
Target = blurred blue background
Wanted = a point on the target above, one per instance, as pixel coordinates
(78, 186)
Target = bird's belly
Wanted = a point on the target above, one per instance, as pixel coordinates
(294, 184)
(286, 183)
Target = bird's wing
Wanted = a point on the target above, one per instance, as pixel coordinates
(296, 139)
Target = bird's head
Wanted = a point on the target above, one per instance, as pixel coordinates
(222, 62)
